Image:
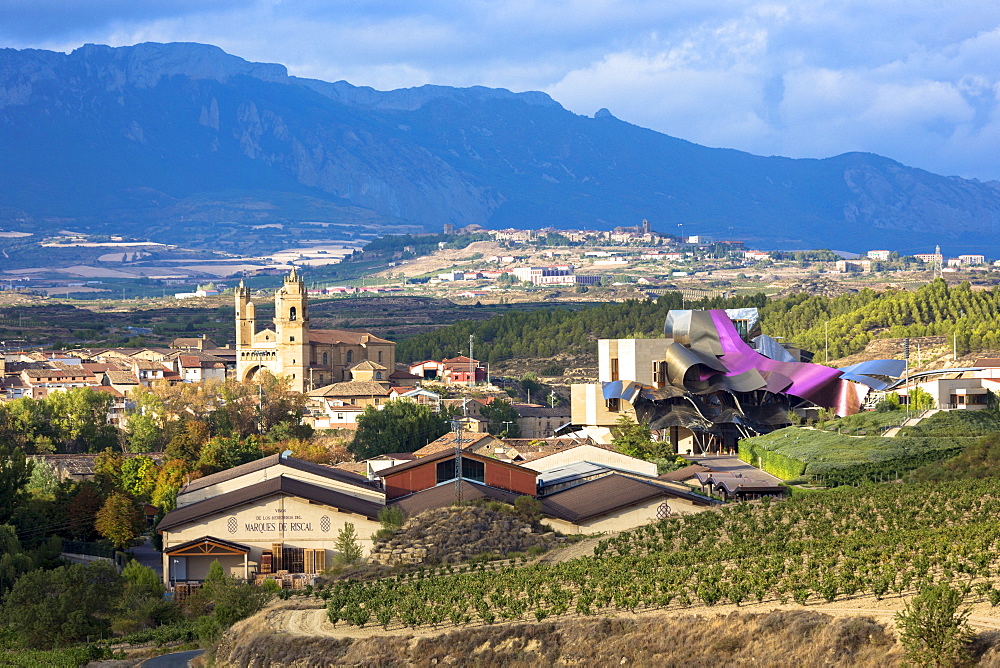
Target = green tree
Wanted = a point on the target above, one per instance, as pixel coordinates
(44, 482)
(69, 604)
(934, 627)
(635, 440)
(14, 562)
(80, 418)
(401, 426)
(222, 452)
(502, 418)
(347, 546)
(169, 480)
(138, 476)
(119, 520)
(15, 471)
(233, 599)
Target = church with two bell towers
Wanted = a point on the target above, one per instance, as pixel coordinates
(311, 358)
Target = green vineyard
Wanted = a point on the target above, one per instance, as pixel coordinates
(875, 540)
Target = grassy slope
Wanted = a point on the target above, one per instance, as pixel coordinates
(794, 451)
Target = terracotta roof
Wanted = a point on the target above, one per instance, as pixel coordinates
(606, 495)
(684, 473)
(393, 455)
(83, 464)
(351, 388)
(354, 468)
(122, 378)
(368, 365)
(146, 365)
(97, 367)
(444, 454)
(46, 373)
(461, 359)
(447, 442)
(272, 460)
(444, 495)
(279, 485)
(343, 336)
(107, 389)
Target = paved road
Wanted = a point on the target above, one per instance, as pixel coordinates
(147, 556)
(728, 464)
(175, 660)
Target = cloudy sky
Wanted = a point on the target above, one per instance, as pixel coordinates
(917, 81)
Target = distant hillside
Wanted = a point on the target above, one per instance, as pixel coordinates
(156, 138)
(846, 324)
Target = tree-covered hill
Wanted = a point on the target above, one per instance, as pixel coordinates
(540, 334)
(851, 321)
(855, 319)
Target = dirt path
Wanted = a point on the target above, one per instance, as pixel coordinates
(583, 548)
(314, 622)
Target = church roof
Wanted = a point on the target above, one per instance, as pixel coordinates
(368, 365)
(343, 336)
(351, 388)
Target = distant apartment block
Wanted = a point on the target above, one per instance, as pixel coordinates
(857, 266)
(929, 258)
(972, 260)
(879, 254)
(558, 275)
(665, 257)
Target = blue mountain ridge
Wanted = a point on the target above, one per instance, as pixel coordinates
(139, 138)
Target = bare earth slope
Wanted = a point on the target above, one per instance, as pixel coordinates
(855, 632)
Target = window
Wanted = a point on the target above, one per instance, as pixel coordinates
(292, 339)
(292, 313)
(659, 374)
(613, 405)
(380, 357)
(350, 356)
(378, 375)
(326, 359)
(472, 469)
(614, 368)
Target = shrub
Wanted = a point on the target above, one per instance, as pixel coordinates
(934, 627)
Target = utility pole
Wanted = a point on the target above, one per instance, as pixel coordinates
(472, 364)
(906, 381)
(456, 426)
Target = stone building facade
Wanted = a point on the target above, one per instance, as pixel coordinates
(310, 357)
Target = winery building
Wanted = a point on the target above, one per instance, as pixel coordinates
(274, 514)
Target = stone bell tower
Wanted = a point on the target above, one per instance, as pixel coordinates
(291, 327)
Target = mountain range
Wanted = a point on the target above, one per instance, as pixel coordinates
(155, 138)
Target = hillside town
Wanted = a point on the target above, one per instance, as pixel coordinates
(281, 514)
